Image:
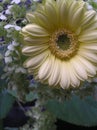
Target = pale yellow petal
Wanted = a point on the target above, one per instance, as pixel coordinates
(47, 17)
(89, 46)
(55, 75)
(91, 27)
(65, 77)
(88, 55)
(75, 82)
(64, 6)
(39, 17)
(88, 19)
(34, 30)
(73, 8)
(31, 17)
(89, 15)
(46, 68)
(82, 3)
(63, 13)
(88, 36)
(35, 41)
(90, 68)
(52, 15)
(34, 50)
(59, 2)
(43, 21)
(75, 15)
(80, 71)
(76, 18)
(34, 61)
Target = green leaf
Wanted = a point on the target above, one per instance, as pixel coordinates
(75, 110)
(1, 8)
(31, 96)
(1, 125)
(13, 93)
(6, 102)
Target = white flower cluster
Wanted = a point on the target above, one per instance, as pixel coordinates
(13, 69)
(10, 58)
(6, 12)
(12, 26)
(44, 119)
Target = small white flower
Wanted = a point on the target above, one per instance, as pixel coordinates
(12, 26)
(7, 11)
(8, 59)
(11, 47)
(8, 26)
(7, 53)
(2, 17)
(15, 43)
(89, 7)
(20, 69)
(16, 1)
(95, 1)
(17, 28)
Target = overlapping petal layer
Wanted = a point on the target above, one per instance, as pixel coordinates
(51, 20)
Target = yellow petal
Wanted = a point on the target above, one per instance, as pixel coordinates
(76, 13)
(63, 10)
(35, 41)
(88, 36)
(31, 17)
(65, 77)
(88, 19)
(88, 55)
(82, 3)
(60, 3)
(63, 13)
(34, 50)
(55, 74)
(43, 21)
(35, 30)
(45, 70)
(91, 27)
(89, 46)
(76, 18)
(34, 61)
(52, 15)
(90, 68)
(80, 71)
(75, 82)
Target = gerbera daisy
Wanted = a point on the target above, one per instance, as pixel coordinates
(61, 42)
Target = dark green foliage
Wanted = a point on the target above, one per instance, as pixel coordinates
(75, 110)
(6, 102)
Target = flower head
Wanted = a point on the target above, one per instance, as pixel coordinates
(61, 42)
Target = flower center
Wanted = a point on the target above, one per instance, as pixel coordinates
(63, 41)
(63, 44)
